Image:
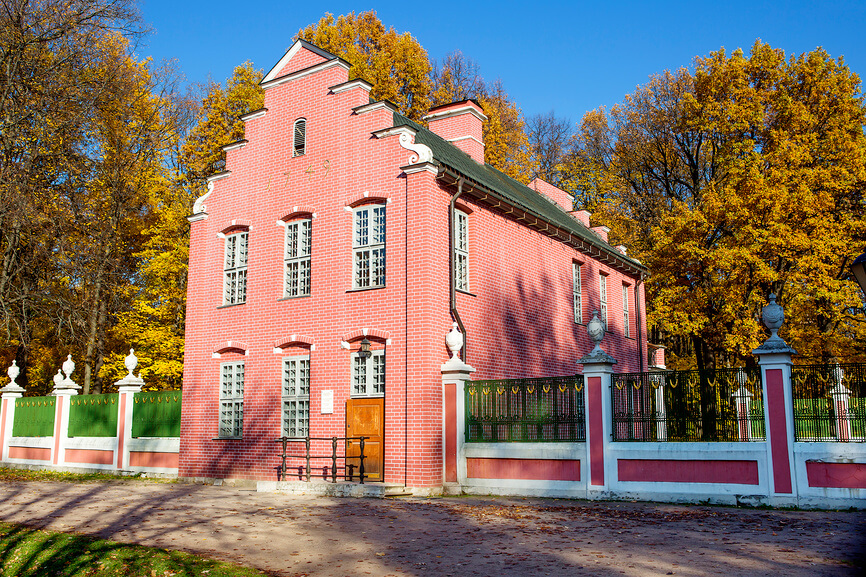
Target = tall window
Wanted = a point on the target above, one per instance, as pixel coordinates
(232, 400)
(368, 375)
(300, 142)
(576, 292)
(602, 289)
(296, 396)
(625, 319)
(235, 269)
(297, 258)
(369, 246)
(461, 250)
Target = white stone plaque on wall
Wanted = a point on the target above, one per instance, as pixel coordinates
(327, 402)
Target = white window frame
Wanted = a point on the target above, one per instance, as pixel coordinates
(231, 407)
(602, 292)
(368, 246)
(461, 250)
(296, 258)
(295, 388)
(299, 137)
(576, 291)
(625, 312)
(235, 259)
(368, 375)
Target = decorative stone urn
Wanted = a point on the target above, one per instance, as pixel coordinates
(130, 362)
(13, 371)
(773, 316)
(66, 384)
(454, 340)
(595, 330)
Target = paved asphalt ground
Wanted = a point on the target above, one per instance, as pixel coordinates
(321, 536)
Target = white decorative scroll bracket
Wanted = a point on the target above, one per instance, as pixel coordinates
(199, 206)
(422, 151)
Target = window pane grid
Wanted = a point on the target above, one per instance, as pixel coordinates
(576, 290)
(368, 375)
(625, 319)
(369, 247)
(231, 420)
(297, 270)
(235, 269)
(461, 250)
(602, 281)
(296, 397)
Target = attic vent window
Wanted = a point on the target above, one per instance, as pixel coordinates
(300, 146)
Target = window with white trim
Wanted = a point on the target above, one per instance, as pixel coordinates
(576, 292)
(368, 374)
(369, 246)
(300, 137)
(232, 400)
(461, 250)
(235, 268)
(296, 396)
(296, 270)
(625, 319)
(602, 290)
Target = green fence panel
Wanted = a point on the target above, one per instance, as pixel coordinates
(156, 414)
(93, 415)
(34, 417)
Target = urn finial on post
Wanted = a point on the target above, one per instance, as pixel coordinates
(454, 340)
(13, 371)
(595, 330)
(773, 316)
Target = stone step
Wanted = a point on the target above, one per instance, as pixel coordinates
(338, 489)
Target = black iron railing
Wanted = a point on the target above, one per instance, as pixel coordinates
(525, 410)
(342, 461)
(718, 405)
(829, 402)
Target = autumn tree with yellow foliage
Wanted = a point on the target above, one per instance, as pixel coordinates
(740, 178)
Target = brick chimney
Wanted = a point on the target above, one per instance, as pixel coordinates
(460, 123)
(557, 195)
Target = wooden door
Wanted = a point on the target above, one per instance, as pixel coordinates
(366, 417)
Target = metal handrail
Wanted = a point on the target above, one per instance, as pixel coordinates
(333, 456)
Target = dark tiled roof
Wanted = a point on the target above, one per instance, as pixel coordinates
(513, 192)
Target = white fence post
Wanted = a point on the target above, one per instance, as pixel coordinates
(126, 389)
(10, 392)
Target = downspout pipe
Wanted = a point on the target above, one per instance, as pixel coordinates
(452, 243)
(640, 351)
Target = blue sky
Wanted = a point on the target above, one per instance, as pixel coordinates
(568, 57)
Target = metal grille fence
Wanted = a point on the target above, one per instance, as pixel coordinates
(526, 410)
(156, 414)
(34, 417)
(719, 405)
(829, 402)
(93, 415)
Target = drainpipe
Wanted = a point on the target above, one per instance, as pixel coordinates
(453, 242)
(640, 352)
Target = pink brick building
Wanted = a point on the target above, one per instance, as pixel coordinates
(332, 226)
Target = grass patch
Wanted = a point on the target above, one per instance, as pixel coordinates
(34, 553)
(14, 474)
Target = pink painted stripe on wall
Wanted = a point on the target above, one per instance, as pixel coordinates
(596, 431)
(3, 404)
(836, 475)
(450, 433)
(778, 431)
(121, 426)
(32, 453)
(89, 456)
(682, 471)
(524, 469)
(142, 459)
